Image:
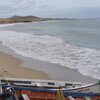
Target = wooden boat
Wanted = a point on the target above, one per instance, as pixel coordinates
(50, 94)
(52, 91)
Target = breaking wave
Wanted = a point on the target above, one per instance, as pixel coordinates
(54, 50)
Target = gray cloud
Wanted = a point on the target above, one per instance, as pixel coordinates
(49, 8)
(13, 7)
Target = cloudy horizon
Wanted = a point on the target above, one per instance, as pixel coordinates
(51, 8)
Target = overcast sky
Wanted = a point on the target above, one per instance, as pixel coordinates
(51, 8)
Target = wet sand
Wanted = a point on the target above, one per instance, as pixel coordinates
(10, 64)
(10, 67)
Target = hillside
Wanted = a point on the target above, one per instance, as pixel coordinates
(19, 19)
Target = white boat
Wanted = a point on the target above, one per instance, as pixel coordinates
(14, 89)
(55, 84)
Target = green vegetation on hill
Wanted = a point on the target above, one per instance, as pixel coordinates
(20, 19)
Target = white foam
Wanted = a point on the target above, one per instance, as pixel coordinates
(54, 50)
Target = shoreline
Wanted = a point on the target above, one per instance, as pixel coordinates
(47, 70)
(10, 66)
(42, 69)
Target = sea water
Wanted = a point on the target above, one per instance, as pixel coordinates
(70, 43)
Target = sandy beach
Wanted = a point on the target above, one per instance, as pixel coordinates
(15, 66)
(10, 67)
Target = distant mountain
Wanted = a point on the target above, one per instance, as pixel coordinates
(19, 19)
(15, 16)
(29, 17)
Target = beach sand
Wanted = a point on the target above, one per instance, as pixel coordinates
(15, 66)
(10, 67)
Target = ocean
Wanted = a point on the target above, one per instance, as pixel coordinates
(71, 43)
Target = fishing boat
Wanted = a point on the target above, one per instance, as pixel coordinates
(49, 90)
